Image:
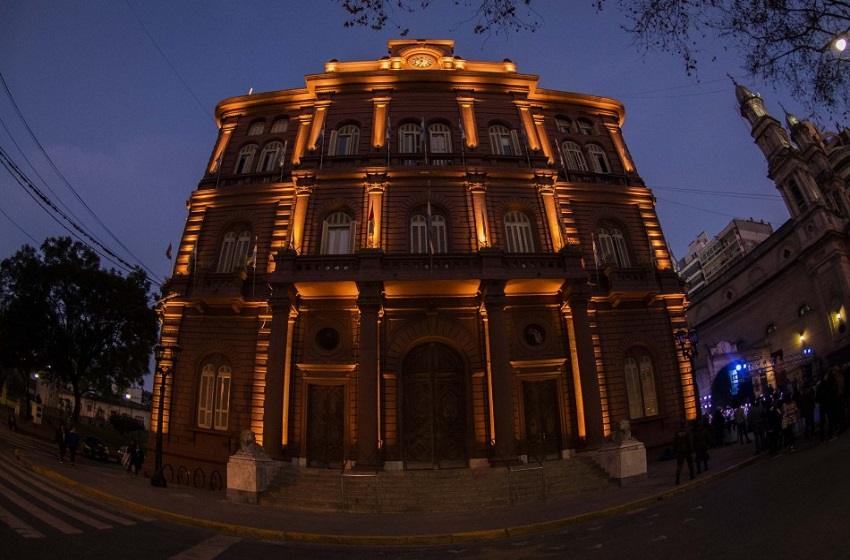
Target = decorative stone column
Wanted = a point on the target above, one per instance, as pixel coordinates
(380, 111)
(545, 143)
(303, 189)
(301, 138)
(617, 137)
(376, 183)
(546, 189)
(591, 401)
(528, 125)
(466, 104)
(500, 367)
(369, 303)
(319, 116)
(281, 301)
(477, 186)
(224, 135)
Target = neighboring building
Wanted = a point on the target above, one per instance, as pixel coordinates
(419, 297)
(706, 259)
(134, 402)
(780, 312)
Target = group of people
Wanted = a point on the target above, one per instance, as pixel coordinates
(67, 440)
(774, 420)
(133, 458)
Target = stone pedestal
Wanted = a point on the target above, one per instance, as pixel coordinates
(624, 461)
(250, 471)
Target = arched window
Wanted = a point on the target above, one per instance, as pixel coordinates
(797, 195)
(338, 234)
(409, 138)
(518, 233)
(439, 138)
(245, 160)
(256, 128)
(234, 251)
(574, 156)
(344, 141)
(584, 126)
(503, 141)
(271, 157)
(280, 125)
(214, 396)
(563, 125)
(421, 241)
(612, 247)
(640, 385)
(598, 159)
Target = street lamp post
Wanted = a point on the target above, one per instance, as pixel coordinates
(687, 341)
(166, 359)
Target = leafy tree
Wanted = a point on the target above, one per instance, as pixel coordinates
(489, 16)
(125, 424)
(791, 42)
(23, 324)
(95, 327)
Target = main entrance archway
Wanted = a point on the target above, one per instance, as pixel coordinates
(434, 407)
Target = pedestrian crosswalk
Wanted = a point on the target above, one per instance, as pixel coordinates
(34, 507)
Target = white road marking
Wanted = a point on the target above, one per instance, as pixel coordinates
(208, 549)
(37, 512)
(595, 547)
(67, 498)
(660, 538)
(18, 525)
(697, 508)
(79, 516)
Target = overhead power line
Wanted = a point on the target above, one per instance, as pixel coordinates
(14, 223)
(25, 183)
(719, 193)
(171, 65)
(68, 183)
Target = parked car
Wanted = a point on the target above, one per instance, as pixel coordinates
(94, 448)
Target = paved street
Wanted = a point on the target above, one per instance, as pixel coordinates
(791, 506)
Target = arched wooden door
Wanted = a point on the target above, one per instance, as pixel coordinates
(434, 407)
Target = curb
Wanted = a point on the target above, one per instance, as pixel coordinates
(385, 540)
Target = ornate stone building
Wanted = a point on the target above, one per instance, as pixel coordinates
(780, 313)
(420, 261)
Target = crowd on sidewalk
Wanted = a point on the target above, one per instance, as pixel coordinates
(775, 420)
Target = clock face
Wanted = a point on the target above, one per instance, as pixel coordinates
(421, 61)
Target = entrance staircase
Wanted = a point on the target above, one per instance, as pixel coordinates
(447, 490)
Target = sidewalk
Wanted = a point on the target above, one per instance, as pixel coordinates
(205, 508)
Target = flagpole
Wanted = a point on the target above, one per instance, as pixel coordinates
(561, 157)
(388, 137)
(322, 148)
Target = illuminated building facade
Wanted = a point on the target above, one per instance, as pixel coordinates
(447, 266)
(780, 312)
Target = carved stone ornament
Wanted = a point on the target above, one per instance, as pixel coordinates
(248, 446)
(624, 431)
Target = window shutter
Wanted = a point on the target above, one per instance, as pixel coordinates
(205, 397)
(633, 388)
(352, 237)
(647, 382)
(324, 248)
(515, 143)
(222, 404)
(332, 144)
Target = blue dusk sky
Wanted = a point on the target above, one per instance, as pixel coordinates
(133, 140)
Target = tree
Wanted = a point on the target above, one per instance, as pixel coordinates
(96, 327)
(489, 16)
(791, 42)
(787, 42)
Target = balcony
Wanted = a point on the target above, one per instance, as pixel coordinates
(377, 266)
(219, 289)
(634, 283)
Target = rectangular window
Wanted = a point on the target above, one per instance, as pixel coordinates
(205, 397)
(222, 405)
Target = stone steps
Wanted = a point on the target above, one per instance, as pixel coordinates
(448, 490)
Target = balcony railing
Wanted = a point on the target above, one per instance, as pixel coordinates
(371, 265)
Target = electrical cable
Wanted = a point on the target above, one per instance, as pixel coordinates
(65, 180)
(203, 107)
(29, 186)
(14, 223)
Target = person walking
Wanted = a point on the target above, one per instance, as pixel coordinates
(60, 436)
(138, 459)
(683, 448)
(789, 423)
(72, 440)
(718, 422)
(741, 424)
(700, 439)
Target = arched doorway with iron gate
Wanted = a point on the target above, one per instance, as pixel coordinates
(434, 408)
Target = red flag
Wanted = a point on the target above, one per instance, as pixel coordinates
(370, 226)
(168, 252)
